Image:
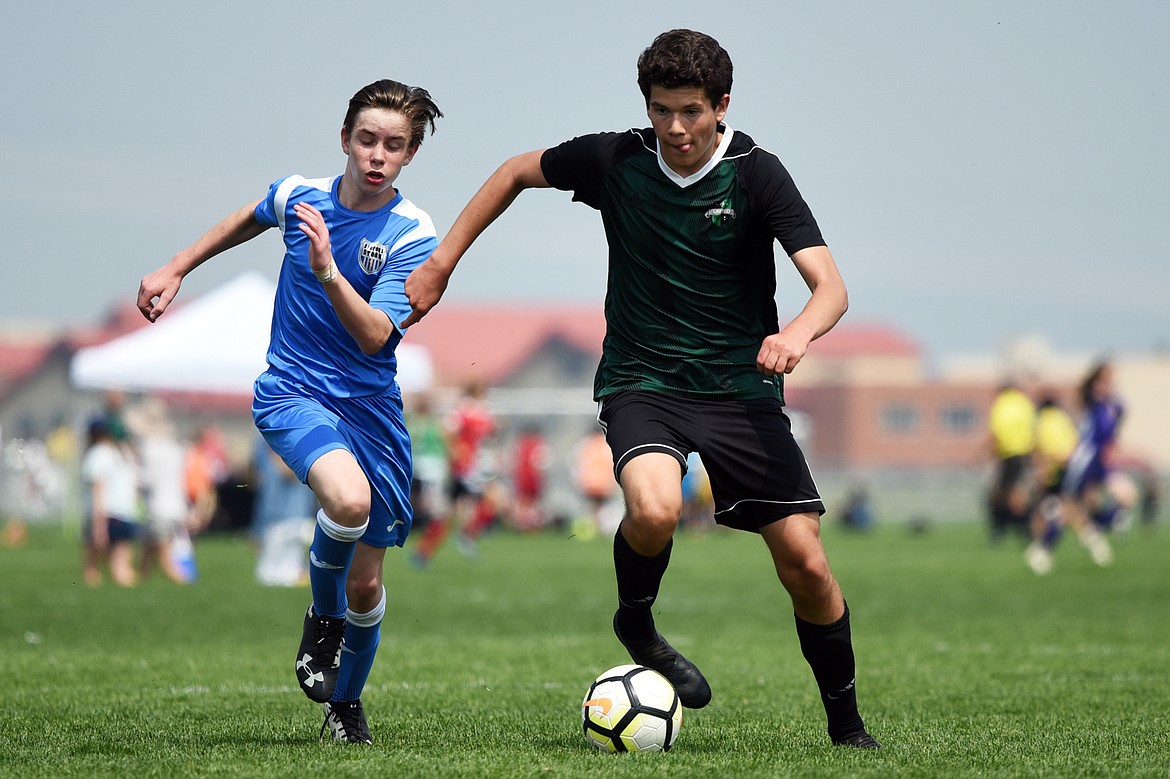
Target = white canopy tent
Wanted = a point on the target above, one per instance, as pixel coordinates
(214, 343)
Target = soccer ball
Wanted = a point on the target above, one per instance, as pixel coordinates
(631, 708)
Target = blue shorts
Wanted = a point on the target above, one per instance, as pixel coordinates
(117, 529)
(1083, 476)
(301, 425)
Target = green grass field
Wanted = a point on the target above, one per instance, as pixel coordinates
(969, 665)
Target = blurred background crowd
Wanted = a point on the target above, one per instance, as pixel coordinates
(137, 422)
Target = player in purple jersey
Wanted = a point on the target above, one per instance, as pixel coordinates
(329, 404)
(1105, 492)
(694, 356)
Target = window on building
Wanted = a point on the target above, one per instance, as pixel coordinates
(958, 420)
(900, 419)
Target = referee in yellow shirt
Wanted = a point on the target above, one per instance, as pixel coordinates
(1012, 421)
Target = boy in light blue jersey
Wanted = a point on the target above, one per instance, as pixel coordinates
(329, 404)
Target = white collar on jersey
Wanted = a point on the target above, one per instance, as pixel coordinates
(686, 181)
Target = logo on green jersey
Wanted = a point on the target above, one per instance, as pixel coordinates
(720, 215)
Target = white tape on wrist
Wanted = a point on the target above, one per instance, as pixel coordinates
(327, 275)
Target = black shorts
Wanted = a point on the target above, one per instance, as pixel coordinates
(1055, 483)
(758, 473)
(1013, 472)
(458, 488)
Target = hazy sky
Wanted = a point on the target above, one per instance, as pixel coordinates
(980, 170)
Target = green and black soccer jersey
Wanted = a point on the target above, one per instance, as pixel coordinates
(692, 271)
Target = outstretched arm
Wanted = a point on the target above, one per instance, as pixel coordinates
(158, 289)
(428, 281)
(782, 351)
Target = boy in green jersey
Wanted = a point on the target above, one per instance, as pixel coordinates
(694, 356)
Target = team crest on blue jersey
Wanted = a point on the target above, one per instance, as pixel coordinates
(372, 257)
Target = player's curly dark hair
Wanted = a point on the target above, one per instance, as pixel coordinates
(414, 103)
(685, 58)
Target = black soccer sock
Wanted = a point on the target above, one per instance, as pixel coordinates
(829, 652)
(638, 579)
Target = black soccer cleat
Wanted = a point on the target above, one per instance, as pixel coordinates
(346, 722)
(687, 680)
(859, 740)
(319, 656)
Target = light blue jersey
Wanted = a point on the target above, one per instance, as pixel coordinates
(375, 251)
(321, 392)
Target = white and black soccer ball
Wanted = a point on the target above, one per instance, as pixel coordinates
(631, 708)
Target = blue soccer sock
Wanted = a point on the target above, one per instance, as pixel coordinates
(363, 632)
(1052, 533)
(329, 557)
